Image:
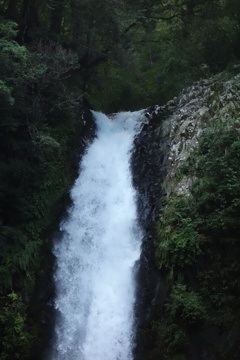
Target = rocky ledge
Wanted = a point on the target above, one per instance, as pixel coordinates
(197, 107)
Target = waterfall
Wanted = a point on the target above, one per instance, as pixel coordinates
(98, 249)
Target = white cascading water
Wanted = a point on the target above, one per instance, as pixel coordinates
(100, 244)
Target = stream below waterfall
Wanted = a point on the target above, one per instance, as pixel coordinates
(98, 249)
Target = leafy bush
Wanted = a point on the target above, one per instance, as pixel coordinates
(40, 127)
(179, 244)
(15, 338)
(198, 242)
(188, 305)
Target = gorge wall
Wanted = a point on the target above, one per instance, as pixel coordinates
(186, 169)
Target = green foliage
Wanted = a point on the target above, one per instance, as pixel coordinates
(40, 128)
(15, 336)
(188, 305)
(5, 95)
(198, 243)
(124, 89)
(153, 48)
(13, 56)
(187, 40)
(180, 245)
(12, 62)
(219, 203)
(8, 29)
(179, 317)
(171, 340)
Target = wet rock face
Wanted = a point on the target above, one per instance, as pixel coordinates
(88, 132)
(148, 168)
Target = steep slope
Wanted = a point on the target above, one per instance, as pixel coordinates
(193, 277)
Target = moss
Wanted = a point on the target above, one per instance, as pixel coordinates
(198, 250)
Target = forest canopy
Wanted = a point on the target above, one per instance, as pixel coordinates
(139, 52)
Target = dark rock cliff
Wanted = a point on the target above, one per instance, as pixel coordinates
(148, 167)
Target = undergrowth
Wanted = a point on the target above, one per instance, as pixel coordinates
(198, 250)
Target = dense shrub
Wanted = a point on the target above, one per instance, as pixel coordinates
(198, 246)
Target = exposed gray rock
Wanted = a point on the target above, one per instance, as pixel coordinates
(197, 107)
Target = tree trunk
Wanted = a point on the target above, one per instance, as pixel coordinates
(29, 19)
(56, 18)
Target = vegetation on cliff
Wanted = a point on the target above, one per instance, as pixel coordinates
(198, 246)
